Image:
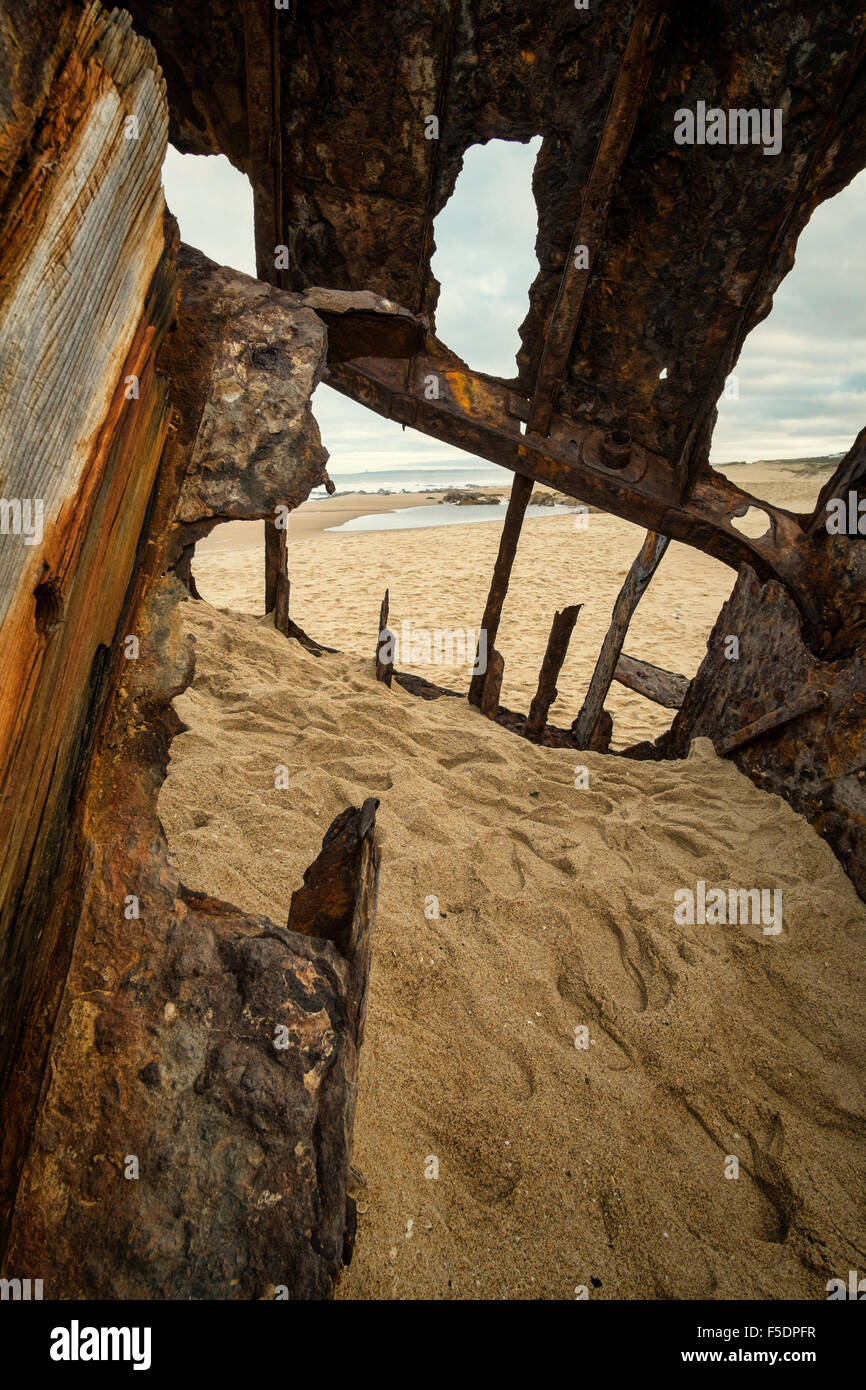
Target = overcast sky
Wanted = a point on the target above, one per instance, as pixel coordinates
(801, 375)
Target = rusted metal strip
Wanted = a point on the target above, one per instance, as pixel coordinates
(261, 36)
(183, 570)
(557, 646)
(619, 123)
(441, 106)
(642, 570)
(384, 657)
(492, 683)
(775, 719)
(653, 682)
(277, 576)
(521, 491)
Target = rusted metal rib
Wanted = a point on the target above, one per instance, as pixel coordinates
(277, 576)
(774, 719)
(653, 682)
(384, 663)
(557, 646)
(619, 123)
(642, 570)
(482, 416)
(492, 683)
(521, 491)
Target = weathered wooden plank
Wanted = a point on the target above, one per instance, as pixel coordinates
(87, 293)
(653, 682)
(101, 219)
(521, 491)
(628, 598)
(557, 646)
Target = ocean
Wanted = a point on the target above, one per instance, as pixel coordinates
(479, 474)
(438, 514)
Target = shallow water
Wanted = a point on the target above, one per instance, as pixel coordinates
(438, 514)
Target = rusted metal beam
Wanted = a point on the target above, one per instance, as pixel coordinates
(642, 570)
(775, 719)
(616, 134)
(282, 621)
(277, 576)
(557, 646)
(440, 112)
(482, 416)
(492, 683)
(521, 490)
(262, 82)
(665, 688)
(384, 651)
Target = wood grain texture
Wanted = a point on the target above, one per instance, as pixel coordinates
(87, 292)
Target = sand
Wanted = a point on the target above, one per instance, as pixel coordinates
(312, 518)
(494, 1158)
(438, 579)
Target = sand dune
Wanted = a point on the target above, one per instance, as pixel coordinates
(559, 1167)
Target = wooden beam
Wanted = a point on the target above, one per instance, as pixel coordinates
(521, 491)
(628, 598)
(653, 682)
(616, 134)
(557, 646)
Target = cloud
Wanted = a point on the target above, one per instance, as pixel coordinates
(801, 374)
(485, 255)
(213, 203)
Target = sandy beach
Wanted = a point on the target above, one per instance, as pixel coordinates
(438, 578)
(494, 1156)
(555, 1074)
